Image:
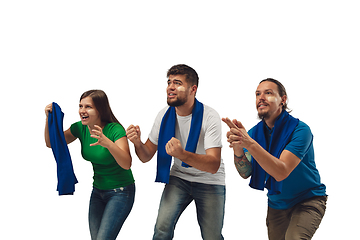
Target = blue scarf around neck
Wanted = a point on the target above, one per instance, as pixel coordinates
(65, 172)
(167, 131)
(284, 126)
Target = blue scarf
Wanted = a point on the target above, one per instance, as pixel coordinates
(65, 171)
(284, 126)
(167, 131)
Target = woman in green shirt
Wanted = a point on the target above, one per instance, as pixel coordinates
(104, 144)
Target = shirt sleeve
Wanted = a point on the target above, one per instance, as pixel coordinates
(154, 133)
(117, 132)
(301, 140)
(212, 138)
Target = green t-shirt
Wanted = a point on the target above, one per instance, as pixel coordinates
(107, 172)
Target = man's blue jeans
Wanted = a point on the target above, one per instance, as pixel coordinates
(178, 194)
(108, 210)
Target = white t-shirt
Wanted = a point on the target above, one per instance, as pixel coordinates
(210, 137)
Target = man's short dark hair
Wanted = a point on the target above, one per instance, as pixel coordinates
(181, 69)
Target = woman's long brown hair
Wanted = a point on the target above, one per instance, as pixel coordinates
(101, 103)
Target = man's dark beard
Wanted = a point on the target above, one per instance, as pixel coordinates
(263, 116)
(176, 103)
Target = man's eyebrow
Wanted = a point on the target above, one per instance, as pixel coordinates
(264, 90)
(175, 80)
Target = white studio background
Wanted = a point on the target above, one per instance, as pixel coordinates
(56, 50)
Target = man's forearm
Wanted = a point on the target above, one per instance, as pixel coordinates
(143, 153)
(146, 151)
(204, 162)
(243, 166)
(278, 168)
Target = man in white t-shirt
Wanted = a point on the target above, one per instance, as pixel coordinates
(196, 174)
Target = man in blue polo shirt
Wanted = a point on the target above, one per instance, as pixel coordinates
(278, 154)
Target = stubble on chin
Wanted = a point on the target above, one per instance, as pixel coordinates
(176, 103)
(263, 115)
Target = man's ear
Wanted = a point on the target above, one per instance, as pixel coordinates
(283, 100)
(193, 90)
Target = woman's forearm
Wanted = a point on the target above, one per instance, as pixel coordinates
(122, 157)
(47, 137)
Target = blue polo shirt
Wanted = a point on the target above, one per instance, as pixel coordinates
(304, 181)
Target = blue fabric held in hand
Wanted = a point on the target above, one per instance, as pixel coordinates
(65, 172)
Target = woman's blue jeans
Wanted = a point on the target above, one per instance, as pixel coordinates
(108, 210)
(178, 194)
